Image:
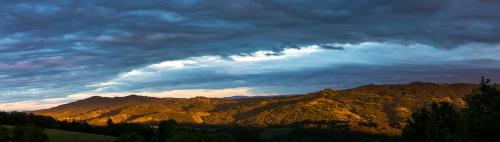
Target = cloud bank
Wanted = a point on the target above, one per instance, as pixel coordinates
(59, 48)
(214, 71)
(309, 68)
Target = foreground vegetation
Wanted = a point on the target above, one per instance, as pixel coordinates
(70, 136)
(478, 121)
(443, 122)
(18, 134)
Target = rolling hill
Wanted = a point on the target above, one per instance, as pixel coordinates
(371, 108)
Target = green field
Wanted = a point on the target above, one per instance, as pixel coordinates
(70, 136)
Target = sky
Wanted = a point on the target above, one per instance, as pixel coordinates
(55, 52)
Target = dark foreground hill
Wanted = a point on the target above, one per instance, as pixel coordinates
(370, 108)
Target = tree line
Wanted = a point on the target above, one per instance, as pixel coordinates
(29, 127)
(29, 133)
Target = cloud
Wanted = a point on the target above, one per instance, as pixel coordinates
(162, 15)
(96, 42)
(27, 105)
(182, 93)
(288, 71)
(235, 70)
(52, 102)
(208, 68)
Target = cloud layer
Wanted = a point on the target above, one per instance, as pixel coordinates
(59, 48)
(292, 71)
(259, 68)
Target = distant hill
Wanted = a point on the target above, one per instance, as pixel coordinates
(372, 108)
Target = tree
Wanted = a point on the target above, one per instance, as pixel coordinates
(482, 115)
(439, 124)
(478, 122)
(109, 122)
(166, 130)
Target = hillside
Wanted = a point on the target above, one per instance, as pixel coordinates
(372, 108)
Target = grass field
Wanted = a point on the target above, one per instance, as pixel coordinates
(70, 136)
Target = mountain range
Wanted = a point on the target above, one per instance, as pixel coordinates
(371, 108)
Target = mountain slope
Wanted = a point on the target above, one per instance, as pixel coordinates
(377, 108)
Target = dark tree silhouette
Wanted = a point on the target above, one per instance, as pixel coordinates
(166, 129)
(109, 122)
(479, 121)
(440, 123)
(482, 115)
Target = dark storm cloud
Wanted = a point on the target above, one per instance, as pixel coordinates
(70, 44)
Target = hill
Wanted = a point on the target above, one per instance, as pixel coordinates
(369, 108)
